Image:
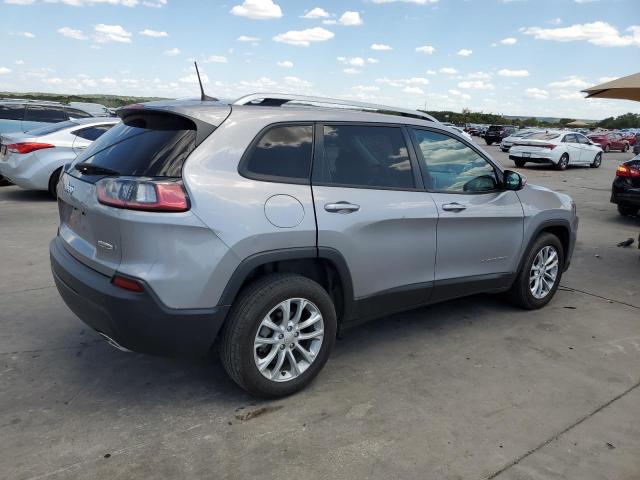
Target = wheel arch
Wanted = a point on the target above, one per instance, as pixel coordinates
(560, 228)
(325, 266)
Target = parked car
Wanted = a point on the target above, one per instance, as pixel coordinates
(495, 133)
(93, 109)
(625, 191)
(460, 131)
(24, 115)
(636, 147)
(196, 222)
(508, 142)
(610, 141)
(559, 149)
(34, 160)
(629, 137)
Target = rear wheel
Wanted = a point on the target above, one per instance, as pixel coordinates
(625, 147)
(540, 275)
(489, 142)
(563, 163)
(596, 161)
(53, 182)
(279, 335)
(607, 148)
(627, 210)
(519, 163)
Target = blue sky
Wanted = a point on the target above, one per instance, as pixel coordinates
(519, 57)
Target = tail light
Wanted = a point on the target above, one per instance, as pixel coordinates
(27, 147)
(143, 194)
(550, 146)
(626, 171)
(127, 284)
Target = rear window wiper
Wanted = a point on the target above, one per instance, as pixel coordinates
(91, 169)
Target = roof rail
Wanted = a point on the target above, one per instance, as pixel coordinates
(279, 99)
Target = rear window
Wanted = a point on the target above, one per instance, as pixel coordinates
(92, 133)
(54, 127)
(543, 136)
(494, 128)
(143, 145)
(43, 113)
(11, 112)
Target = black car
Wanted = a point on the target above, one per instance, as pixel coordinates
(495, 133)
(625, 190)
(636, 148)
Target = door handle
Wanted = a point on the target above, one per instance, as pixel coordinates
(341, 207)
(453, 207)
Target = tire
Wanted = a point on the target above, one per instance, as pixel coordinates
(239, 355)
(607, 148)
(519, 163)
(563, 163)
(625, 148)
(488, 142)
(597, 161)
(520, 293)
(53, 182)
(627, 210)
(504, 149)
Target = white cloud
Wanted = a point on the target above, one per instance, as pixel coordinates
(247, 38)
(71, 33)
(564, 95)
(316, 12)
(4, 70)
(426, 49)
(536, 93)
(555, 21)
(372, 60)
(172, 52)
(193, 78)
(111, 33)
(24, 34)
(508, 41)
(354, 62)
(216, 59)
(413, 90)
(448, 71)
(153, 33)
(380, 47)
(351, 71)
(505, 72)
(19, 2)
(465, 52)
(154, 3)
(431, 72)
(479, 76)
(304, 38)
(108, 81)
(257, 9)
(458, 93)
(83, 3)
(606, 79)
(475, 85)
(285, 64)
(570, 82)
(597, 33)
(403, 82)
(366, 88)
(19, 62)
(350, 19)
(298, 82)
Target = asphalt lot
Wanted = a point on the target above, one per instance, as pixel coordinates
(470, 389)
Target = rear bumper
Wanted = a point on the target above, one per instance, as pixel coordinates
(547, 161)
(135, 321)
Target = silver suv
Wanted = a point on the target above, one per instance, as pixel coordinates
(268, 224)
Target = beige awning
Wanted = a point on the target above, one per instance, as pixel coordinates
(625, 88)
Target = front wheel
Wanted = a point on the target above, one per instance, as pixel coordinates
(596, 161)
(53, 183)
(489, 142)
(279, 335)
(563, 163)
(519, 163)
(540, 275)
(607, 148)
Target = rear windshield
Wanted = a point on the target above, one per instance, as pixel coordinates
(11, 112)
(543, 136)
(495, 127)
(143, 145)
(52, 128)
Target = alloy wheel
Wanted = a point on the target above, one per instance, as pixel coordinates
(288, 339)
(544, 272)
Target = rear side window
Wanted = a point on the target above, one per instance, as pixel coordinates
(92, 133)
(282, 153)
(148, 145)
(364, 156)
(11, 112)
(54, 127)
(42, 113)
(75, 113)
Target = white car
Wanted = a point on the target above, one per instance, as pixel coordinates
(34, 159)
(559, 149)
(508, 142)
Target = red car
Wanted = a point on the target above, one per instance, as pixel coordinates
(610, 141)
(629, 137)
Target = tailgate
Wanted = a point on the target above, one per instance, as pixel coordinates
(90, 231)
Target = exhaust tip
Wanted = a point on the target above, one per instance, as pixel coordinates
(114, 344)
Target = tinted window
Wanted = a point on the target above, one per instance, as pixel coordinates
(544, 136)
(570, 139)
(42, 113)
(282, 152)
(451, 166)
(11, 112)
(494, 128)
(583, 139)
(143, 145)
(75, 113)
(54, 127)
(92, 133)
(365, 156)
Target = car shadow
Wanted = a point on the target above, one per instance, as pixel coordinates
(21, 195)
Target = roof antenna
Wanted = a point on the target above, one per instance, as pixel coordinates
(203, 96)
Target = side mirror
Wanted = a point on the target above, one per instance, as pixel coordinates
(513, 180)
